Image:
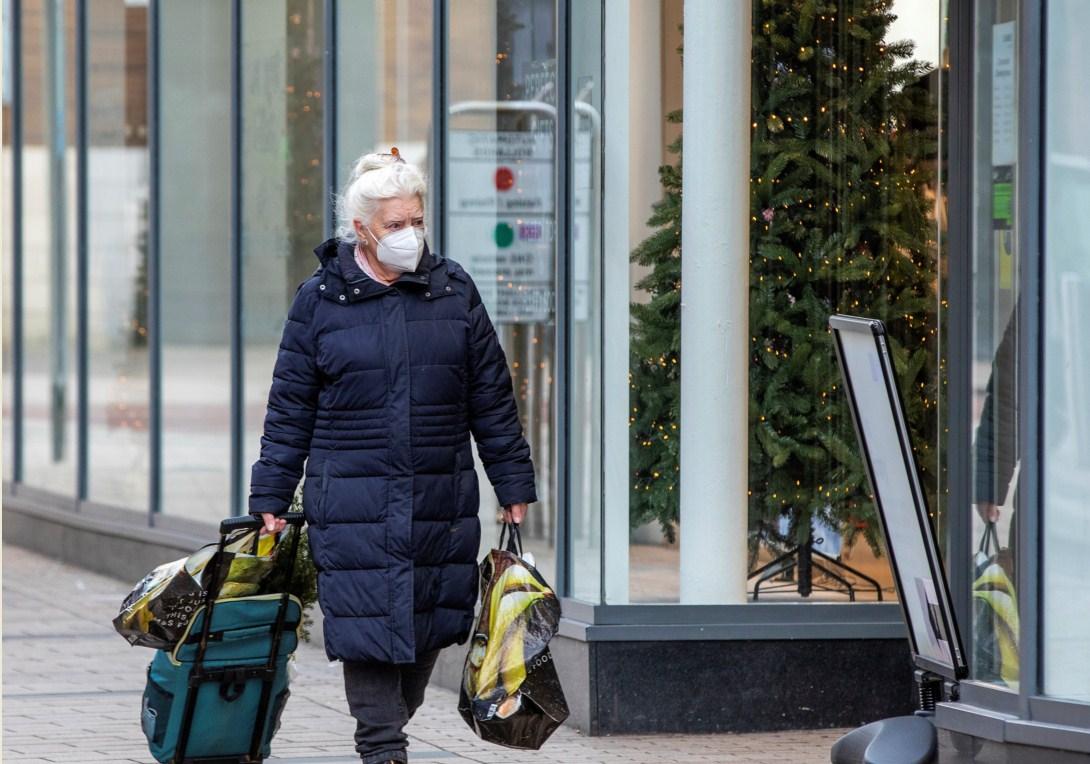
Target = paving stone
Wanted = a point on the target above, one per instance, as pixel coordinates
(72, 689)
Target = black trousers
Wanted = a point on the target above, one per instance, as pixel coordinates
(383, 697)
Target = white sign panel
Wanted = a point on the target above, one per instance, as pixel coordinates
(500, 219)
(887, 453)
(1004, 113)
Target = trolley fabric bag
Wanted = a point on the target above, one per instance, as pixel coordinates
(510, 693)
(219, 693)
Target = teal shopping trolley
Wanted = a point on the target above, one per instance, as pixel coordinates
(217, 696)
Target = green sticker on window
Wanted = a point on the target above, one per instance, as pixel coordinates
(503, 234)
(1002, 195)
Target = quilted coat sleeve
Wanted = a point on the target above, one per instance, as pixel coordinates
(493, 415)
(289, 418)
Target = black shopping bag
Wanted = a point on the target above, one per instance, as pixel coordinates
(510, 692)
(157, 611)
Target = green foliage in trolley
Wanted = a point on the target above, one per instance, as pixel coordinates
(304, 580)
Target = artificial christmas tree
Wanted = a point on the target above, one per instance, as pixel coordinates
(655, 373)
(843, 152)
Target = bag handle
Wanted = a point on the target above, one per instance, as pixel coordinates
(510, 531)
(990, 538)
(250, 522)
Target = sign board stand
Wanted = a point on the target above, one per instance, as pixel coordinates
(870, 383)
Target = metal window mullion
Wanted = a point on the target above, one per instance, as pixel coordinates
(959, 329)
(329, 115)
(1030, 348)
(82, 263)
(562, 276)
(56, 133)
(598, 177)
(238, 422)
(17, 239)
(155, 360)
(440, 29)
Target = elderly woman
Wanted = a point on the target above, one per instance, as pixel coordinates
(388, 362)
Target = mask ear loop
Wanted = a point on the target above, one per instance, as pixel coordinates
(368, 228)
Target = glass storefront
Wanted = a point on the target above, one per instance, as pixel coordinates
(383, 81)
(846, 217)
(7, 248)
(282, 190)
(585, 239)
(556, 178)
(855, 232)
(1065, 522)
(49, 381)
(194, 256)
(500, 215)
(994, 631)
(117, 250)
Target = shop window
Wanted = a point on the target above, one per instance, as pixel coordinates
(283, 192)
(48, 289)
(7, 249)
(117, 249)
(1065, 453)
(499, 216)
(845, 217)
(993, 639)
(194, 256)
(384, 73)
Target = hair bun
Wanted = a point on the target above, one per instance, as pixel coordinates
(369, 162)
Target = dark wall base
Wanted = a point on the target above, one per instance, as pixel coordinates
(748, 686)
(113, 542)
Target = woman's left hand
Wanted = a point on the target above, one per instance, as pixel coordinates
(513, 513)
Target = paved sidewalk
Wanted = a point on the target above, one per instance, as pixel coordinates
(72, 688)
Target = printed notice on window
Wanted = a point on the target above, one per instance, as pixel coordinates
(1004, 114)
(501, 220)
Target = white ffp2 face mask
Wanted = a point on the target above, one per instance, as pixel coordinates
(401, 250)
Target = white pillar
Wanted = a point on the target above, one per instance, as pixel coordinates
(715, 302)
(616, 475)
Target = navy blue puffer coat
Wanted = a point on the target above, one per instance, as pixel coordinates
(378, 388)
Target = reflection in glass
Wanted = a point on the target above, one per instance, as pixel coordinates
(994, 633)
(195, 263)
(117, 167)
(499, 215)
(384, 69)
(844, 173)
(7, 250)
(844, 219)
(49, 381)
(585, 316)
(282, 193)
(1066, 401)
(654, 88)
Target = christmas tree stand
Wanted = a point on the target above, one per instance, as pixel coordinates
(801, 559)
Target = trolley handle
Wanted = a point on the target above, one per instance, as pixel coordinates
(249, 522)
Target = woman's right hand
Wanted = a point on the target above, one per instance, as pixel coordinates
(988, 511)
(273, 524)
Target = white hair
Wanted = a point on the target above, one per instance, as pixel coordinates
(375, 177)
